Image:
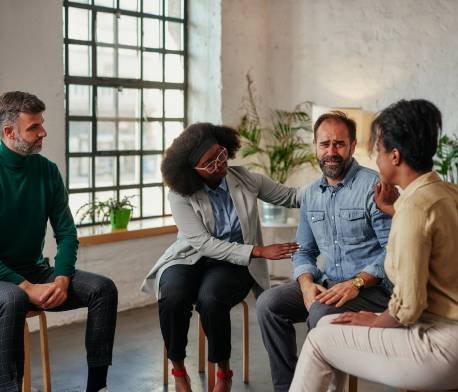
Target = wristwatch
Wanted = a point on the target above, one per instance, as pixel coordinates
(358, 282)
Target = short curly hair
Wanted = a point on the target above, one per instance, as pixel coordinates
(177, 172)
(413, 128)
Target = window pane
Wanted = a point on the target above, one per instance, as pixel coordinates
(106, 3)
(79, 60)
(134, 200)
(106, 102)
(152, 168)
(174, 104)
(129, 63)
(106, 60)
(105, 171)
(152, 6)
(106, 135)
(168, 211)
(129, 170)
(129, 30)
(80, 100)
(129, 103)
(152, 135)
(79, 24)
(82, 1)
(152, 201)
(79, 135)
(105, 27)
(174, 36)
(152, 101)
(75, 201)
(132, 5)
(79, 172)
(152, 33)
(103, 196)
(174, 8)
(129, 135)
(172, 130)
(174, 68)
(152, 66)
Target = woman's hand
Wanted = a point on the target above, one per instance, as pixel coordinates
(356, 318)
(384, 196)
(275, 251)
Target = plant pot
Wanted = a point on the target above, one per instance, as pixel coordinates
(272, 214)
(119, 218)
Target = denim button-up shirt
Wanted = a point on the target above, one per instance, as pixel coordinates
(343, 224)
(227, 224)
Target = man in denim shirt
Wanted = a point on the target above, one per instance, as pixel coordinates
(339, 220)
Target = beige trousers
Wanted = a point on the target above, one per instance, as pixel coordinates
(423, 356)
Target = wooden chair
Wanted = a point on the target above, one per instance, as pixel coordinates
(26, 382)
(211, 366)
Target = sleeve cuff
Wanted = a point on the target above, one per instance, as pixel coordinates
(306, 269)
(375, 270)
(64, 271)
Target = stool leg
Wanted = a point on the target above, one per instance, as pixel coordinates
(26, 381)
(201, 343)
(45, 364)
(211, 376)
(165, 367)
(352, 383)
(246, 343)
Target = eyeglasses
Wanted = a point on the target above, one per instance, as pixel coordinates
(211, 167)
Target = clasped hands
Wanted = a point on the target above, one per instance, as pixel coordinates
(47, 295)
(338, 294)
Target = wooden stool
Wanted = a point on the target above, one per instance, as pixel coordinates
(211, 365)
(26, 382)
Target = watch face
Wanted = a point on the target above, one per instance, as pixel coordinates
(358, 282)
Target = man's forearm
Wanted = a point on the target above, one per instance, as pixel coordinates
(304, 280)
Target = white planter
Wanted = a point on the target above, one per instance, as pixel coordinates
(273, 214)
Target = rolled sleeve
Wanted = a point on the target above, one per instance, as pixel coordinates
(304, 260)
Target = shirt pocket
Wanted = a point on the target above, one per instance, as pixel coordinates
(352, 226)
(318, 225)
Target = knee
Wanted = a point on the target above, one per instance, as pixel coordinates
(105, 288)
(317, 311)
(175, 301)
(267, 304)
(13, 300)
(209, 304)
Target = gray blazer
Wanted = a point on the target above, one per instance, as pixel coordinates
(193, 216)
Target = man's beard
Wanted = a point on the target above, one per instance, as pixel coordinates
(24, 147)
(337, 171)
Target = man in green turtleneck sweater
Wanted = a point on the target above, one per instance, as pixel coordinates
(31, 192)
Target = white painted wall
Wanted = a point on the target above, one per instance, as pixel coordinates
(365, 53)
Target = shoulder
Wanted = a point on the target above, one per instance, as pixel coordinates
(366, 174)
(244, 177)
(45, 164)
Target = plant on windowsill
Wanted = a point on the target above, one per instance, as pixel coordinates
(279, 147)
(117, 212)
(446, 159)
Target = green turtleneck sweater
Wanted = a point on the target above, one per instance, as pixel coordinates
(31, 191)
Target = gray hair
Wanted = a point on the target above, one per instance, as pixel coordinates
(14, 102)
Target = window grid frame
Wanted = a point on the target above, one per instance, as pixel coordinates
(94, 82)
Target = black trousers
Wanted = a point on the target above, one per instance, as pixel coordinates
(97, 293)
(215, 287)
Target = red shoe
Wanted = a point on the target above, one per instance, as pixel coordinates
(224, 375)
(224, 382)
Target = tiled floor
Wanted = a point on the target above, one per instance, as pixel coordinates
(137, 363)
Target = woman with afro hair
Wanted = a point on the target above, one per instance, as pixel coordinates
(218, 255)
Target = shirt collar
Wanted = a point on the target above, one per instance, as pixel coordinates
(348, 179)
(11, 158)
(424, 179)
(222, 186)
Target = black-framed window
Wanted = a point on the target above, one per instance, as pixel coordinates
(125, 98)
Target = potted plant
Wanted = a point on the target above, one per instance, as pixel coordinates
(279, 147)
(446, 160)
(118, 212)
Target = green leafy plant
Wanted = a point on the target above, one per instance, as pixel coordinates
(279, 147)
(446, 159)
(100, 210)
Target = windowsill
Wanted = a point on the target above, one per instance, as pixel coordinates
(103, 234)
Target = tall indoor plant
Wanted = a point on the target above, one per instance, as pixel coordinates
(279, 148)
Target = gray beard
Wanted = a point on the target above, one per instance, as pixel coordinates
(338, 171)
(25, 148)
